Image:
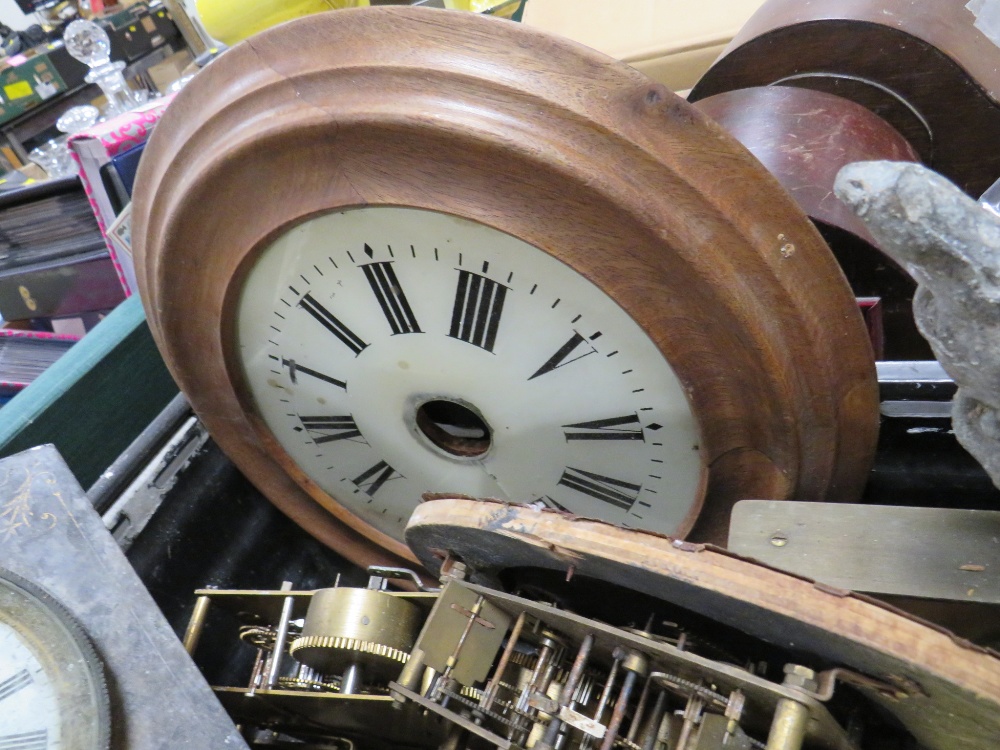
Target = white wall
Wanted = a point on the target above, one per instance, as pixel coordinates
(11, 15)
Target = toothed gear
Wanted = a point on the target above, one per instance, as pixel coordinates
(349, 644)
(364, 628)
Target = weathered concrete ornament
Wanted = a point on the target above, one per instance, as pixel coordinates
(950, 244)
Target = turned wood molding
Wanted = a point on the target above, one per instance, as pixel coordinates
(552, 143)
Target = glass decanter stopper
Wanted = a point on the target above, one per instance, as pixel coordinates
(89, 43)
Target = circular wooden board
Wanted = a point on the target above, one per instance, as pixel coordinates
(921, 65)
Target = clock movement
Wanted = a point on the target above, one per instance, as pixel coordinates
(392, 251)
(555, 632)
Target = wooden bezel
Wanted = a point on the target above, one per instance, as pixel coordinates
(553, 143)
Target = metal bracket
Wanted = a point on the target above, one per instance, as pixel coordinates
(132, 511)
(934, 553)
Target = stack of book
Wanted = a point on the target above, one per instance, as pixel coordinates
(54, 262)
(65, 257)
(55, 275)
(24, 355)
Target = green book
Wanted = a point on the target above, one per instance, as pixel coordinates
(94, 400)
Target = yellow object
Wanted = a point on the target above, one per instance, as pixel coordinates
(18, 90)
(502, 8)
(232, 21)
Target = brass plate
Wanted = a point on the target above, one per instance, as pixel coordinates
(933, 553)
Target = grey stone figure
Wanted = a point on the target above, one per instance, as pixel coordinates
(950, 244)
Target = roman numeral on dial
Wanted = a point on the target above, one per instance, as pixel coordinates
(382, 279)
(576, 348)
(25, 740)
(606, 489)
(478, 307)
(616, 428)
(548, 502)
(329, 429)
(294, 368)
(14, 683)
(332, 324)
(371, 481)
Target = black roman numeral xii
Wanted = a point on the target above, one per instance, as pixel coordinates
(478, 307)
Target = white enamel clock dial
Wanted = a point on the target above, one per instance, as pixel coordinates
(395, 351)
(52, 691)
(29, 709)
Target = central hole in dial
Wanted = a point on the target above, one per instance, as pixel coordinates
(454, 428)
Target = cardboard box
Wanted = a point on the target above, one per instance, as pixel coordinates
(164, 73)
(672, 41)
(93, 148)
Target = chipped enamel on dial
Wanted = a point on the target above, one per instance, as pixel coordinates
(395, 351)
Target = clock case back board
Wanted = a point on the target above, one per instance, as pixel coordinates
(550, 142)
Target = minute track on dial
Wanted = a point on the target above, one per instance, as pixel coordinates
(521, 339)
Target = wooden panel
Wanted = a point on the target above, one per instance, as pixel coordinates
(919, 64)
(803, 138)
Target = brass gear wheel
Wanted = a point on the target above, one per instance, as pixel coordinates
(314, 643)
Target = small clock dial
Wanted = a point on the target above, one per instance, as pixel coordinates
(52, 691)
(29, 708)
(395, 351)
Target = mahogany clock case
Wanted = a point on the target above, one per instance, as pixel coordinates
(804, 137)
(544, 140)
(867, 52)
(809, 87)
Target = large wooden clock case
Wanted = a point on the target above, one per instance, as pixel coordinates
(543, 139)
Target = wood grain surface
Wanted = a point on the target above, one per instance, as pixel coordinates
(919, 64)
(548, 141)
(949, 695)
